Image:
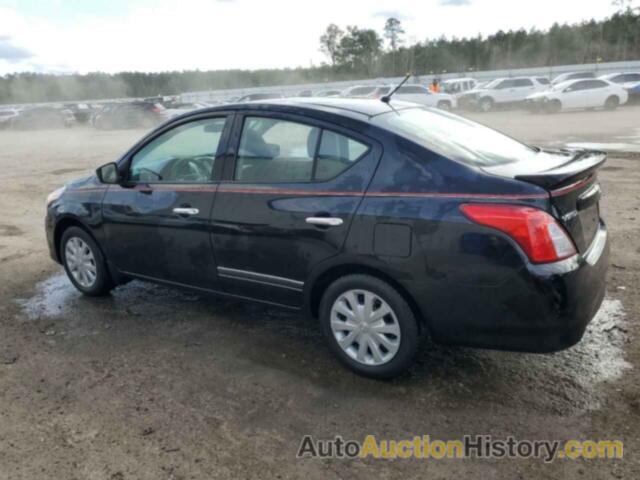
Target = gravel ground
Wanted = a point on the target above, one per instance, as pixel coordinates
(154, 383)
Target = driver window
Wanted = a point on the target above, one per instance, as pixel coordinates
(185, 154)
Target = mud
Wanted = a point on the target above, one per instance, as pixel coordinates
(156, 383)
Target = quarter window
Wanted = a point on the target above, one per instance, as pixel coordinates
(279, 151)
(336, 154)
(184, 154)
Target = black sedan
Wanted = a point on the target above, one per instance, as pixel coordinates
(387, 221)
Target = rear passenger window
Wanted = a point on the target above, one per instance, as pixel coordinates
(279, 151)
(523, 82)
(273, 150)
(336, 154)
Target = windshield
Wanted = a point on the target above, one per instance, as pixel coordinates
(493, 83)
(455, 137)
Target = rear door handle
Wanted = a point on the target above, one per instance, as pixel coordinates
(186, 211)
(325, 221)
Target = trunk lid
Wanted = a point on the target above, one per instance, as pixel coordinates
(570, 177)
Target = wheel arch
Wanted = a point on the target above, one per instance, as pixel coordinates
(321, 282)
(63, 224)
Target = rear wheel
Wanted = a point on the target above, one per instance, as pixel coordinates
(486, 104)
(444, 105)
(84, 263)
(369, 326)
(612, 103)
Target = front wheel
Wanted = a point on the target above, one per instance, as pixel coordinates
(84, 263)
(444, 105)
(553, 106)
(369, 326)
(486, 104)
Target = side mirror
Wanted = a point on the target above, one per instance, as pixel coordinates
(108, 174)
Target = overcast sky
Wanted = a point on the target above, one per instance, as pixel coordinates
(147, 35)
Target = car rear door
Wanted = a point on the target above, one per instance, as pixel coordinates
(523, 87)
(286, 202)
(157, 222)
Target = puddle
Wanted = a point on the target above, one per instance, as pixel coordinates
(573, 380)
(617, 144)
(51, 298)
(602, 354)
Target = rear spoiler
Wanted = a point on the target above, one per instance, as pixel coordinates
(581, 166)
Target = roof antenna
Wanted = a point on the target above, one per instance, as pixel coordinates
(387, 97)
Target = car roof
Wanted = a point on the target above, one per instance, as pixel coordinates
(358, 109)
(457, 80)
(566, 83)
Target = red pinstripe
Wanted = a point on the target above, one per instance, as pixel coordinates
(329, 193)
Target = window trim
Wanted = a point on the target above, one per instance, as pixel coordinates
(234, 142)
(124, 164)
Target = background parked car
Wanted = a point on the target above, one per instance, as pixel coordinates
(6, 117)
(577, 95)
(457, 86)
(563, 77)
(630, 81)
(81, 111)
(42, 117)
(258, 96)
(130, 115)
(366, 91)
(626, 80)
(178, 108)
(503, 92)
(422, 95)
(327, 93)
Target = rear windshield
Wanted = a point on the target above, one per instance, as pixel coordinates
(455, 137)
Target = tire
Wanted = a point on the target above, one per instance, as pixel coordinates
(612, 103)
(486, 104)
(74, 242)
(554, 106)
(400, 319)
(444, 105)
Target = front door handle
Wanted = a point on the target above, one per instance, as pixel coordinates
(325, 221)
(186, 211)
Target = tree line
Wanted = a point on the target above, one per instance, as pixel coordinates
(353, 53)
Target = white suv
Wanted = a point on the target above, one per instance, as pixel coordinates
(422, 95)
(506, 91)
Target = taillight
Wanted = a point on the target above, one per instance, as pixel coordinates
(539, 234)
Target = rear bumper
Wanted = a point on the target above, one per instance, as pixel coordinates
(543, 308)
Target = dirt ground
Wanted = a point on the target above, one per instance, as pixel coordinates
(153, 383)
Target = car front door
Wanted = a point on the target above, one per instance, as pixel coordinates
(572, 96)
(505, 91)
(286, 202)
(157, 222)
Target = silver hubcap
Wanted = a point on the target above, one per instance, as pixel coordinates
(365, 327)
(80, 262)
